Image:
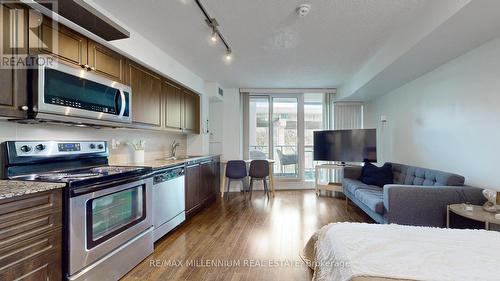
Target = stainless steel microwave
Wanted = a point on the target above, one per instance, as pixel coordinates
(62, 93)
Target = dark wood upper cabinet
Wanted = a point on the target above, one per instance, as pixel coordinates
(54, 39)
(49, 37)
(157, 102)
(106, 62)
(146, 95)
(172, 99)
(13, 81)
(191, 111)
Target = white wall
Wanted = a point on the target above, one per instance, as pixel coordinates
(447, 119)
(226, 126)
(157, 143)
(232, 125)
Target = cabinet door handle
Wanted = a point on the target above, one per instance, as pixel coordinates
(24, 108)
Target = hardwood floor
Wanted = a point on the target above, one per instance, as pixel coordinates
(234, 239)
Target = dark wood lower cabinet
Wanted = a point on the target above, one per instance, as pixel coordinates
(31, 237)
(202, 184)
(192, 187)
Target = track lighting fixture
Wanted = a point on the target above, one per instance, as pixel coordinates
(214, 37)
(229, 55)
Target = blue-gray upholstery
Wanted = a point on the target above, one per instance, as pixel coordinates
(419, 196)
(236, 169)
(373, 199)
(410, 175)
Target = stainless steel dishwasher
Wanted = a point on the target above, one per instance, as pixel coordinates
(168, 200)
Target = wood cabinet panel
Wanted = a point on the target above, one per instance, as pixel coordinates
(13, 92)
(31, 237)
(190, 111)
(59, 41)
(146, 96)
(207, 175)
(106, 62)
(202, 184)
(192, 187)
(216, 178)
(172, 104)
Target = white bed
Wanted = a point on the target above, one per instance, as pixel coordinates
(362, 252)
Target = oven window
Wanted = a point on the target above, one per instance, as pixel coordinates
(111, 214)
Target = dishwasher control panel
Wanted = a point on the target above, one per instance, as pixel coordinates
(168, 175)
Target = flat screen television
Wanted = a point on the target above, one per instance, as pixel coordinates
(357, 145)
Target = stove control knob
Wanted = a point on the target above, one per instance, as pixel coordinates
(100, 146)
(92, 146)
(40, 147)
(25, 148)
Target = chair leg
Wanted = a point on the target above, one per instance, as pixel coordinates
(265, 187)
(228, 185)
(251, 187)
(243, 187)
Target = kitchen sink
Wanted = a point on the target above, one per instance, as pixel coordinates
(184, 157)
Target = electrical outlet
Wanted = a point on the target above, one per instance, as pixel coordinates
(115, 143)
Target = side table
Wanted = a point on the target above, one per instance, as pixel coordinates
(477, 213)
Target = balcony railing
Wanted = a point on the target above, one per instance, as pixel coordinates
(289, 170)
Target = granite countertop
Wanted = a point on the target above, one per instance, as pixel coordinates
(12, 188)
(164, 163)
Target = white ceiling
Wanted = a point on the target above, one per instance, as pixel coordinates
(273, 48)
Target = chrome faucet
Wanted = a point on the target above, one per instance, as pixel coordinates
(173, 148)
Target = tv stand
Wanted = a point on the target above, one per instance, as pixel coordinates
(334, 184)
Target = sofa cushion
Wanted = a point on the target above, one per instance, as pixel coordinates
(411, 175)
(378, 176)
(372, 198)
(351, 186)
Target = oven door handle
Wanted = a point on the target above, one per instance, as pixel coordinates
(101, 186)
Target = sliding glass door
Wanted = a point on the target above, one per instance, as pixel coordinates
(314, 120)
(285, 136)
(258, 133)
(280, 127)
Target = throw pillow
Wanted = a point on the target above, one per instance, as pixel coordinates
(378, 176)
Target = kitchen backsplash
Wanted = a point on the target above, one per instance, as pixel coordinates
(157, 143)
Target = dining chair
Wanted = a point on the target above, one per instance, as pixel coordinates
(236, 171)
(259, 170)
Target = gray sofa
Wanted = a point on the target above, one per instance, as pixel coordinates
(418, 196)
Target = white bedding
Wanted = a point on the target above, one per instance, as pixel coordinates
(345, 251)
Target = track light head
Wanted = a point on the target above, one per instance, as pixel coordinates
(213, 37)
(228, 56)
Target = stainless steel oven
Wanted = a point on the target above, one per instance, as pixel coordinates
(110, 229)
(67, 94)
